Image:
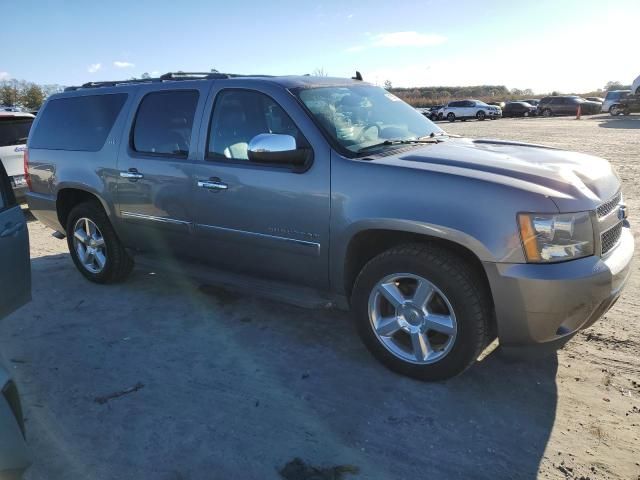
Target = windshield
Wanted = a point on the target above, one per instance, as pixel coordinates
(14, 130)
(357, 117)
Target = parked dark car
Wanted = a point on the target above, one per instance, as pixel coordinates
(531, 101)
(15, 291)
(433, 112)
(595, 99)
(567, 105)
(497, 104)
(518, 109)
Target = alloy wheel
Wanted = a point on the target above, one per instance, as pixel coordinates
(89, 245)
(412, 318)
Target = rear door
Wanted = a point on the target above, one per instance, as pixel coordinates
(15, 266)
(154, 184)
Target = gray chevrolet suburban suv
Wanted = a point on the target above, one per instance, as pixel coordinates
(326, 191)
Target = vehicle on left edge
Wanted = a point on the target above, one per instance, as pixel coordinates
(14, 130)
(15, 291)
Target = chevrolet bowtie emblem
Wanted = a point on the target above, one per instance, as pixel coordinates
(622, 212)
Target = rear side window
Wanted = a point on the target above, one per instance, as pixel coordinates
(14, 130)
(613, 95)
(164, 122)
(77, 123)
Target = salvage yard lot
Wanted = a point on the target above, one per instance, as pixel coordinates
(159, 378)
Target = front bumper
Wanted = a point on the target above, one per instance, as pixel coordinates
(547, 304)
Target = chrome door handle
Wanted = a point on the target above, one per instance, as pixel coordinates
(132, 174)
(213, 184)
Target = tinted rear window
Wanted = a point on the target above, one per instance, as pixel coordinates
(77, 123)
(164, 122)
(14, 130)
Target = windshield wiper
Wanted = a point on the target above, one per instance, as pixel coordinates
(398, 142)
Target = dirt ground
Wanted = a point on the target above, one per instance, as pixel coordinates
(157, 379)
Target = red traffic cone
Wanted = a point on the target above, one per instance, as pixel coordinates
(579, 112)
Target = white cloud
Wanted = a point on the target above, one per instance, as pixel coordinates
(94, 67)
(119, 64)
(407, 39)
(355, 49)
(4, 76)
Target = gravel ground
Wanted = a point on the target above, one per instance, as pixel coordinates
(157, 378)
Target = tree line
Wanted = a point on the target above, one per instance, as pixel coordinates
(28, 95)
(430, 96)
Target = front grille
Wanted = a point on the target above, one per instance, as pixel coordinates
(611, 237)
(608, 207)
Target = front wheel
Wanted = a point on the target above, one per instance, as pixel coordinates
(451, 117)
(481, 115)
(422, 311)
(546, 112)
(94, 246)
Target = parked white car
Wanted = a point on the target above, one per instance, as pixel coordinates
(466, 109)
(635, 86)
(14, 130)
(612, 98)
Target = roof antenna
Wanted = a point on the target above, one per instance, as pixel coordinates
(358, 76)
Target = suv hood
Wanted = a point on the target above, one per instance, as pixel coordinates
(574, 181)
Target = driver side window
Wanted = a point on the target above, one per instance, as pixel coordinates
(240, 115)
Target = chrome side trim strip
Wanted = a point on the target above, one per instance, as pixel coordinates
(301, 246)
(153, 218)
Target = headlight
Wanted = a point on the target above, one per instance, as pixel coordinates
(556, 238)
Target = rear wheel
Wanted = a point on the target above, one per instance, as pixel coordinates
(451, 117)
(525, 114)
(481, 115)
(547, 112)
(94, 246)
(421, 311)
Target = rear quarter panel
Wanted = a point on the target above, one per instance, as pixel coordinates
(94, 172)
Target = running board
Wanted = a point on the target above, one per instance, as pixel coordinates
(304, 297)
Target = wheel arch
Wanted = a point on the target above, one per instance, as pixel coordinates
(367, 242)
(68, 196)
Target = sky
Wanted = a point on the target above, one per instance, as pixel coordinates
(563, 45)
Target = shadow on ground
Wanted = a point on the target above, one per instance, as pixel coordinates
(197, 385)
(620, 121)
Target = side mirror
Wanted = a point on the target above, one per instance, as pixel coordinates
(276, 149)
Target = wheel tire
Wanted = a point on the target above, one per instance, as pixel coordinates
(481, 115)
(451, 117)
(525, 114)
(547, 112)
(470, 300)
(118, 263)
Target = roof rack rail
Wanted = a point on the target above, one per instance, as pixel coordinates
(169, 76)
(193, 75)
(112, 83)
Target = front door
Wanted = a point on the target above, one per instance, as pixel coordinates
(154, 185)
(15, 266)
(269, 221)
